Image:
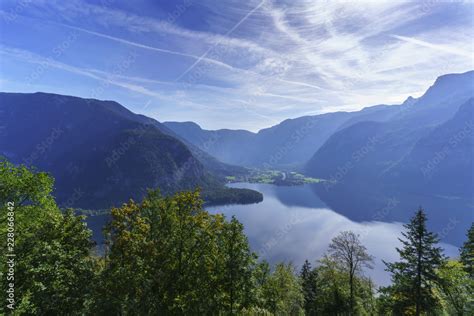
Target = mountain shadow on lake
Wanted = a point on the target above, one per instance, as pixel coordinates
(450, 217)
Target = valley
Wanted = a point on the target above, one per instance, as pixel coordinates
(354, 161)
(241, 158)
(277, 177)
(370, 167)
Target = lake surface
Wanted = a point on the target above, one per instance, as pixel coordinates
(294, 224)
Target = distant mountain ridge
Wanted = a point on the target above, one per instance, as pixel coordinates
(371, 152)
(443, 160)
(100, 153)
(382, 146)
(289, 144)
(389, 149)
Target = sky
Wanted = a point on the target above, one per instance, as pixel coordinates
(234, 64)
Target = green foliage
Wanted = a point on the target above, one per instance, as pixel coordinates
(221, 196)
(467, 252)
(347, 250)
(332, 294)
(282, 293)
(309, 286)
(51, 248)
(260, 276)
(168, 256)
(414, 276)
(273, 177)
(22, 186)
(237, 262)
(456, 288)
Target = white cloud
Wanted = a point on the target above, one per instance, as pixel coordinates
(285, 60)
(450, 50)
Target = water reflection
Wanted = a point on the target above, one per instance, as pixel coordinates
(449, 217)
(294, 224)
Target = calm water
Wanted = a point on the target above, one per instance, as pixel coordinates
(293, 224)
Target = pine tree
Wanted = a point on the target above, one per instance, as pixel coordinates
(414, 276)
(467, 252)
(308, 282)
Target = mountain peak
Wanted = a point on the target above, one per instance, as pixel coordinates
(409, 101)
(454, 76)
(187, 124)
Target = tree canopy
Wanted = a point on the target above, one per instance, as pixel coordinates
(166, 255)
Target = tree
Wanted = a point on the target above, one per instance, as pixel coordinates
(169, 256)
(456, 288)
(347, 249)
(282, 292)
(52, 249)
(414, 276)
(333, 295)
(467, 252)
(260, 275)
(309, 285)
(237, 265)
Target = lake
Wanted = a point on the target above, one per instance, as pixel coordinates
(294, 224)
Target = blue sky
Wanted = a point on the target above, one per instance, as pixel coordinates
(233, 64)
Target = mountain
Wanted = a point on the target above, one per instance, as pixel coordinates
(100, 153)
(289, 144)
(212, 164)
(441, 160)
(376, 113)
(372, 154)
(229, 146)
(294, 142)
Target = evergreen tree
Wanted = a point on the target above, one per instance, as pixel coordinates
(414, 276)
(308, 282)
(467, 252)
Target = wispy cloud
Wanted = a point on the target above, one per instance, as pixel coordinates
(152, 48)
(267, 59)
(442, 48)
(48, 62)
